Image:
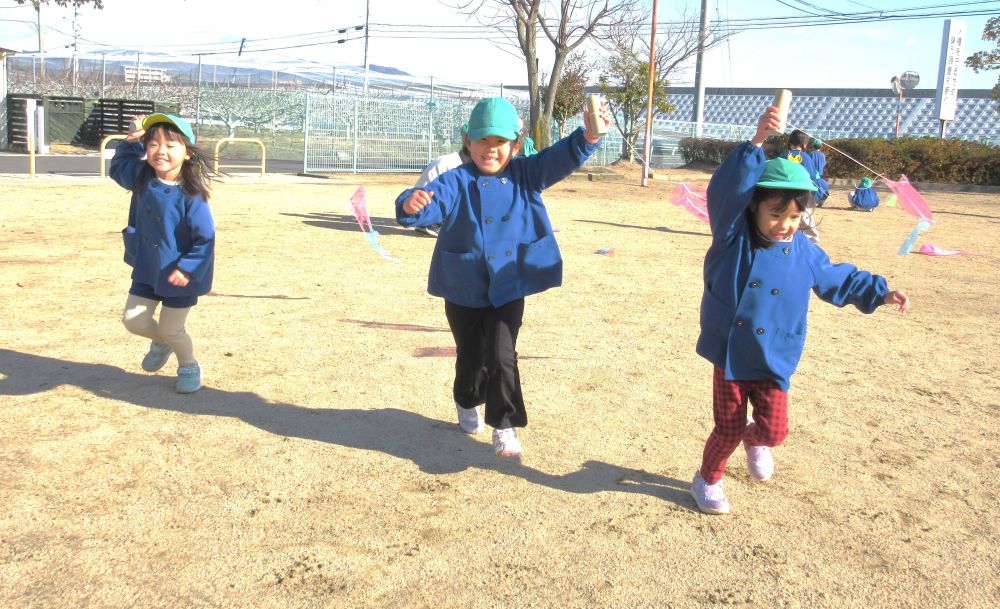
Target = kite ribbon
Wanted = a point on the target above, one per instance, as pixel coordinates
(908, 244)
(693, 199)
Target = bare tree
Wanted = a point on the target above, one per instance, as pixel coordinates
(566, 24)
(624, 80)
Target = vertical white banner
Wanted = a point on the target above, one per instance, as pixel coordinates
(952, 45)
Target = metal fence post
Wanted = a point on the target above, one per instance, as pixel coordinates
(354, 154)
(305, 140)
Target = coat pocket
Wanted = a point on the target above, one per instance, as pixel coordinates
(131, 241)
(784, 352)
(540, 257)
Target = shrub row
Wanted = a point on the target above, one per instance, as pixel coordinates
(923, 159)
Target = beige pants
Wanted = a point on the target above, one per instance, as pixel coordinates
(138, 319)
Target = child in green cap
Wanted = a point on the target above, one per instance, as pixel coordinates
(864, 197)
(495, 246)
(170, 238)
(759, 272)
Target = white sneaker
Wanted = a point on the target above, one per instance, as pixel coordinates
(470, 419)
(505, 442)
(760, 461)
(711, 498)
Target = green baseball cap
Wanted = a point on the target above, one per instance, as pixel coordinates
(182, 125)
(494, 116)
(865, 183)
(785, 174)
(817, 143)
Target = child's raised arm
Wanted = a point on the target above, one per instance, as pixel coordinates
(769, 122)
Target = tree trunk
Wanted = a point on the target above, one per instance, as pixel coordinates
(545, 133)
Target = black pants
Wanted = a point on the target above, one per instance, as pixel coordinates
(486, 366)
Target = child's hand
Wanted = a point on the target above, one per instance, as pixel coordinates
(178, 278)
(135, 129)
(417, 200)
(898, 298)
(768, 122)
(603, 116)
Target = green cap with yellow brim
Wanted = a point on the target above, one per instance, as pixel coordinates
(784, 174)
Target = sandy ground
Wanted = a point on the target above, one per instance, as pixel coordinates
(321, 465)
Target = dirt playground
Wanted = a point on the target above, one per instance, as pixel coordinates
(321, 466)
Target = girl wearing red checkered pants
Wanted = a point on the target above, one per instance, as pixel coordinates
(759, 275)
(768, 427)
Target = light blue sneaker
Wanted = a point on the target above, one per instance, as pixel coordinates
(157, 357)
(189, 378)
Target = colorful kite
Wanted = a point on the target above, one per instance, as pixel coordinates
(910, 200)
(360, 210)
(693, 199)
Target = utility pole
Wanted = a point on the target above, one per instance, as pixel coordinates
(699, 70)
(647, 144)
(367, 13)
(41, 44)
(76, 36)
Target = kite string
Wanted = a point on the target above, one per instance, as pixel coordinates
(841, 152)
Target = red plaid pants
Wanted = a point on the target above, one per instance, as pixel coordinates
(729, 409)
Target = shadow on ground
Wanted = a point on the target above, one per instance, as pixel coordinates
(436, 447)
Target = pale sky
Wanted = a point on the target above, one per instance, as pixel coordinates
(428, 38)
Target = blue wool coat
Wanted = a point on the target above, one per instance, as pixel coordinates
(173, 230)
(865, 198)
(819, 162)
(754, 305)
(496, 243)
(807, 160)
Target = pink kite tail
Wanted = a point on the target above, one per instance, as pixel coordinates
(360, 208)
(691, 198)
(932, 250)
(910, 200)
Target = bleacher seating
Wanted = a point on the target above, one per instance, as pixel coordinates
(828, 114)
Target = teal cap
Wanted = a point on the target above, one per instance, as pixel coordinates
(182, 125)
(494, 116)
(817, 143)
(865, 183)
(785, 174)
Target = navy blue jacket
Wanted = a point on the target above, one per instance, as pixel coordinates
(496, 243)
(754, 305)
(173, 230)
(865, 198)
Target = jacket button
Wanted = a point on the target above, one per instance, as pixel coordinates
(508, 252)
(787, 250)
(759, 330)
(775, 291)
(739, 323)
(490, 257)
(503, 180)
(754, 284)
(489, 220)
(505, 218)
(485, 183)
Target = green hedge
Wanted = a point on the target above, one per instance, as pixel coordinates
(923, 159)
